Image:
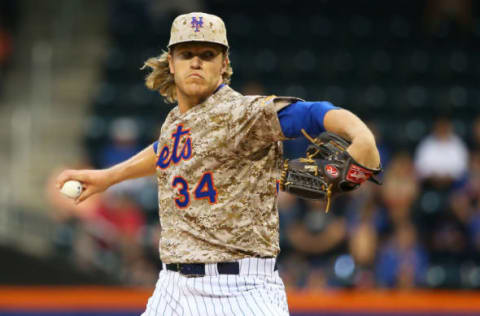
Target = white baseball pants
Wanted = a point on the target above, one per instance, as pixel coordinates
(256, 290)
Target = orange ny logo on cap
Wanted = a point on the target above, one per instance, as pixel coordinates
(197, 23)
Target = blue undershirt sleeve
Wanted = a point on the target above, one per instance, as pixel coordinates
(155, 146)
(306, 115)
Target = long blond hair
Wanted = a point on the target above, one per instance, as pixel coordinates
(160, 79)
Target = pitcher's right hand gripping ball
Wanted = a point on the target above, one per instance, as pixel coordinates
(326, 171)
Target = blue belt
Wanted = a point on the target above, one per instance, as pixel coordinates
(198, 269)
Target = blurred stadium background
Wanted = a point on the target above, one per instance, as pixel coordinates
(72, 94)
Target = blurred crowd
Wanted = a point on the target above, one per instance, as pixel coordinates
(116, 232)
(8, 30)
(421, 228)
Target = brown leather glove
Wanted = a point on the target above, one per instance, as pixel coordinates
(327, 170)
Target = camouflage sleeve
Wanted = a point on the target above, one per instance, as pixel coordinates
(282, 102)
(255, 124)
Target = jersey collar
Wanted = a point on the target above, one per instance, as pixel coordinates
(219, 87)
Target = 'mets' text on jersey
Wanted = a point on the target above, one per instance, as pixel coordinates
(217, 166)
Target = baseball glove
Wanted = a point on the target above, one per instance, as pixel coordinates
(327, 170)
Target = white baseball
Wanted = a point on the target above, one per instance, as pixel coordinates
(72, 189)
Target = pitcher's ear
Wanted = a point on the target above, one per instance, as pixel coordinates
(226, 62)
(170, 63)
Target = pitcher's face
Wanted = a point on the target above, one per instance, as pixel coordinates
(197, 68)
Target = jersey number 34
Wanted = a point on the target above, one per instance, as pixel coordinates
(205, 189)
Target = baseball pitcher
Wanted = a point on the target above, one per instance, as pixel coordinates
(218, 161)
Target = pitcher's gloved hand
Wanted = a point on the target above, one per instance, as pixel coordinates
(327, 170)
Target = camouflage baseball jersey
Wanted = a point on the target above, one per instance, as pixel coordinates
(217, 170)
